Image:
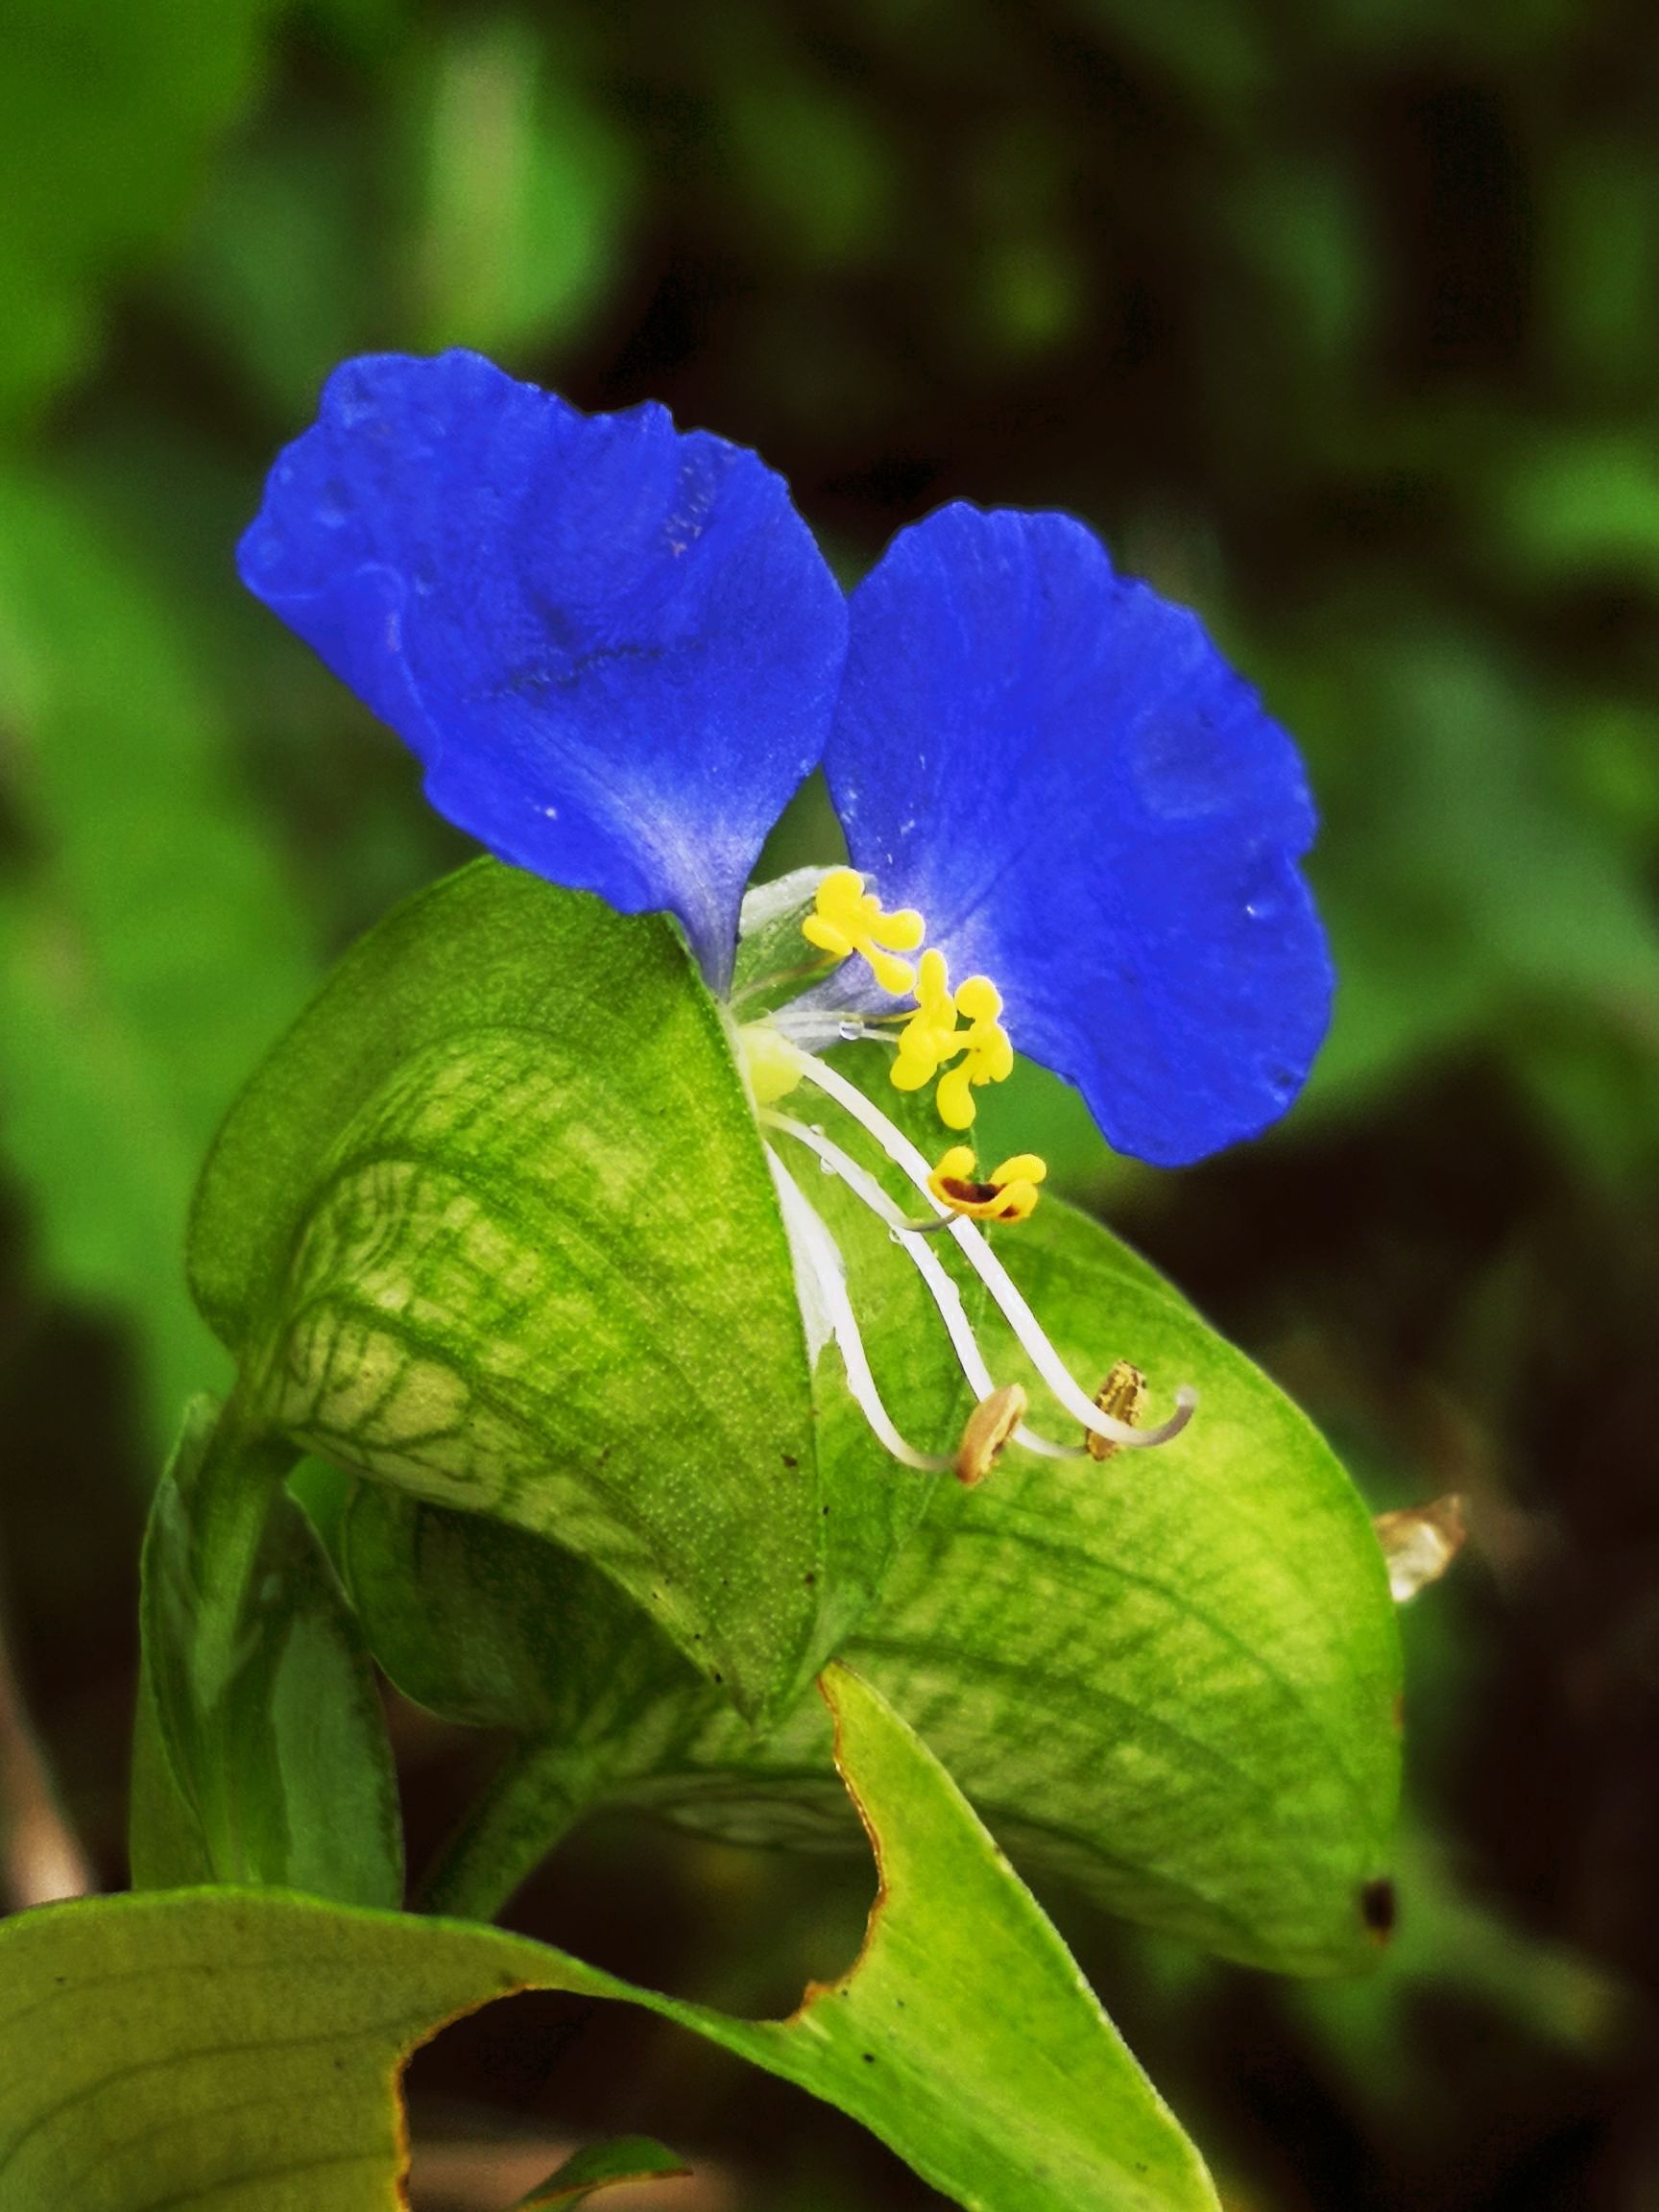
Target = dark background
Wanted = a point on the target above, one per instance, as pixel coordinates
(1341, 322)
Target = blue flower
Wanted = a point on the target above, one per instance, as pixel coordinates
(617, 652)
(614, 649)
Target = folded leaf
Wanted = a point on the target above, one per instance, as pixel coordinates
(495, 1219)
(176, 2047)
(1172, 1677)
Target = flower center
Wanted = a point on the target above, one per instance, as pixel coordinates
(847, 919)
(956, 1038)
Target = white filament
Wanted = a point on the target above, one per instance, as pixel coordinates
(816, 1253)
(931, 1267)
(995, 1278)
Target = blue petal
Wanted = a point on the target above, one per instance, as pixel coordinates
(1059, 769)
(615, 648)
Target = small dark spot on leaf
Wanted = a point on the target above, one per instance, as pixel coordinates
(1379, 1907)
(869, 2057)
(716, 1676)
(809, 1580)
(790, 1461)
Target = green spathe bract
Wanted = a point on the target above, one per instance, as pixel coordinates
(1174, 1677)
(170, 2049)
(493, 1224)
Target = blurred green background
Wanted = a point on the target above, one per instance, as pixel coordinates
(1341, 322)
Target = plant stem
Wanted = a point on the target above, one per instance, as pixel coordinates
(541, 1790)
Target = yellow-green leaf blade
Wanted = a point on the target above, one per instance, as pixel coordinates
(178, 2047)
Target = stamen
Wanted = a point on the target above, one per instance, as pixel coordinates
(847, 919)
(1010, 1194)
(1122, 1395)
(941, 1286)
(926, 1038)
(815, 1249)
(995, 1278)
(987, 1054)
(993, 1421)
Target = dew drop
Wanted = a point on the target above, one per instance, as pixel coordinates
(827, 1166)
(850, 1031)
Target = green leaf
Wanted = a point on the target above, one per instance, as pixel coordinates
(166, 2048)
(631, 2158)
(493, 1224)
(1172, 1677)
(272, 1765)
(149, 947)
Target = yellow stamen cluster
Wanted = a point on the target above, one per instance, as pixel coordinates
(925, 1040)
(848, 919)
(930, 1040)
(986, 1055)
(1009, 1194)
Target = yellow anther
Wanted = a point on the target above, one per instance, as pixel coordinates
(1010, 1194)
(926, 1038)
(847, 919)
(771, 1063)
(987, 1056)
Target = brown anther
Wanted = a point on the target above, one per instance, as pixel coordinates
(1419, 1543)
(990, 1425)
(968, 1193)
(1121, 1397)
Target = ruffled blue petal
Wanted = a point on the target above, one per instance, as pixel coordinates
(1059, 769)
(615, 648)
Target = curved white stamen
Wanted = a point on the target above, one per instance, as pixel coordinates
(928, 1266)
(816, 1250)
(995, 1277)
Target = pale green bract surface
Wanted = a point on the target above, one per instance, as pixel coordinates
(493, 1224)
(186, 2048)
(1172, 1677)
